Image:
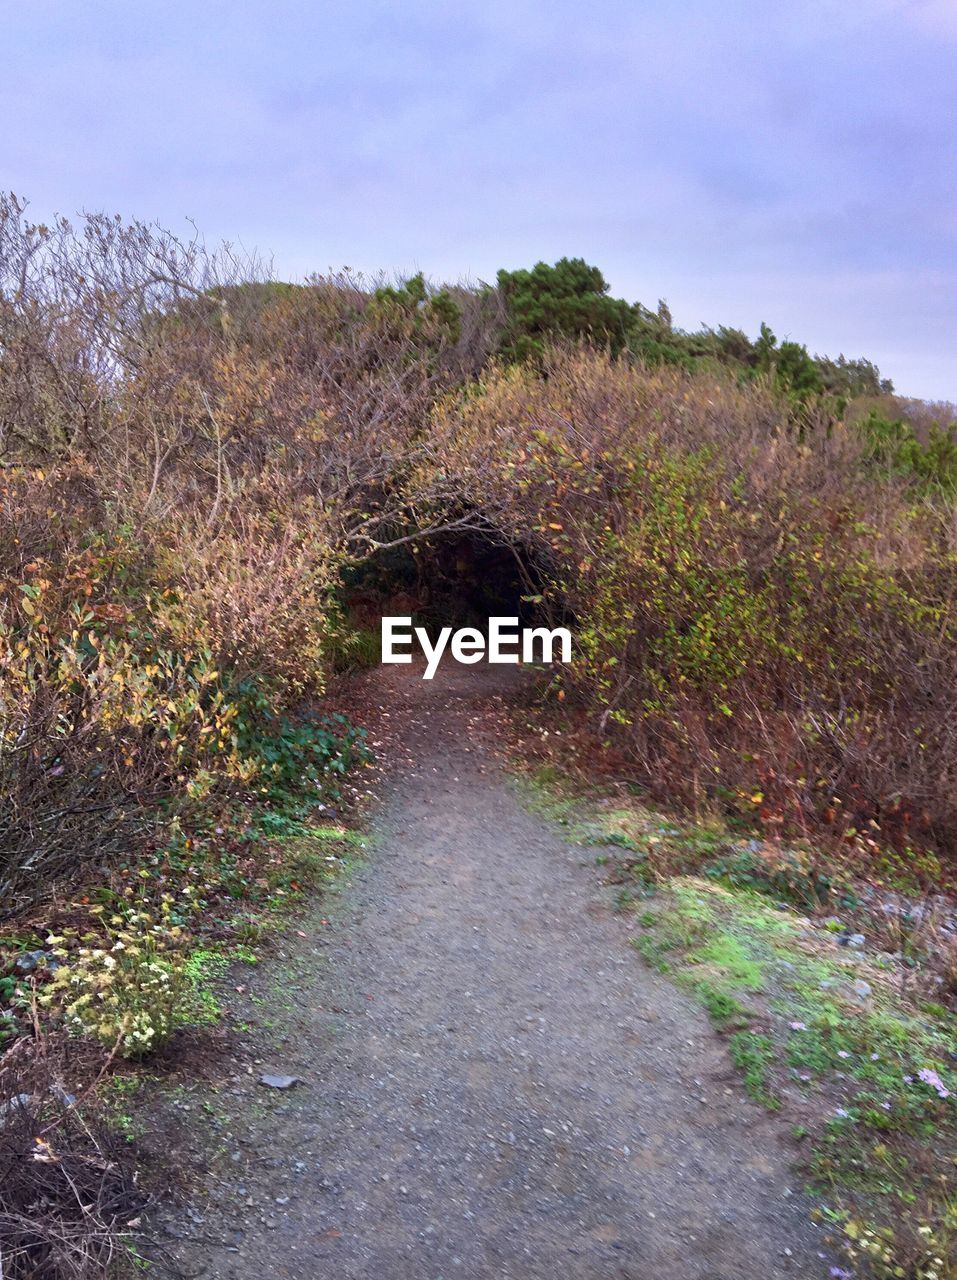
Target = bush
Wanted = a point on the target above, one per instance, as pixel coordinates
(760, 622)
(287, 757)
(568, 300)
(130, 992)
(893, 446)
(99, 713)
(126, 663)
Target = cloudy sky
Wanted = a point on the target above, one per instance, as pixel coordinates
(745, 160)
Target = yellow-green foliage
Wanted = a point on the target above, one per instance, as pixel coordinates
(128, 989)
(134, 669)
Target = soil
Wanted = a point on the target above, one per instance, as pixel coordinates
(491, 1082)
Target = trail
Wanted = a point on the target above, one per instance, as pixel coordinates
(494, 1083)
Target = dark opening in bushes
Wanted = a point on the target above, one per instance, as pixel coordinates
(457, 579)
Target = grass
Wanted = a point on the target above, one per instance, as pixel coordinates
(833, 1035)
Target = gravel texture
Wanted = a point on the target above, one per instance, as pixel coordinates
(491, 1083)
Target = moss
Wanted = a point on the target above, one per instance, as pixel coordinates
(206, 970)
(723, 1009)
(729, 957)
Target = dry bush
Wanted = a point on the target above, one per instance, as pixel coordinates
(69, 1197)
(758, 622)
(187, 455)
(76, 765)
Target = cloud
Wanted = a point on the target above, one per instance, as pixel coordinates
(746, 160)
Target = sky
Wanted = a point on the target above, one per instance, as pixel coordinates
(744, 160)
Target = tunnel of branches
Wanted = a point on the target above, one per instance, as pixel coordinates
(458, 579)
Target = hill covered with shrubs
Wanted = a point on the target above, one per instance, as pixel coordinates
(754, 545)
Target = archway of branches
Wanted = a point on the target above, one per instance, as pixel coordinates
(457, 578)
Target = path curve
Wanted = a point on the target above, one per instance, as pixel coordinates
(495, 1084)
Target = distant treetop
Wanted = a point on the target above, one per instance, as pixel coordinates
(571, 300)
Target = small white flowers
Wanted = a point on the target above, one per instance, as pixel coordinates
(131, 996)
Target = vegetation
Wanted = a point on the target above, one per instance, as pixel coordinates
(763, 623)
(754, 546)
(196, 462)
(571, 301)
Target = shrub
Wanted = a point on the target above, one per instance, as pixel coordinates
(126, 662)
(191, 456)
(131, 991)
(286, 757)
(893, 446)
(760, 622)
(567, 300)
(98, 714)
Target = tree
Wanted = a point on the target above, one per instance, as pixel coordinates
(568, 300)
(790, 365)
(853, 377)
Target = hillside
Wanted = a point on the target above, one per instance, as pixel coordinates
(212, 485)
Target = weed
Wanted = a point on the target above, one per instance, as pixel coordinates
(753, 1053)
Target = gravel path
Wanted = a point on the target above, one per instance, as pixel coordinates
(494, 1084)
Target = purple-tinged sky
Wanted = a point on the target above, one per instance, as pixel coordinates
(795, 163)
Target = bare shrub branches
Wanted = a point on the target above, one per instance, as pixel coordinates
(69, 1198)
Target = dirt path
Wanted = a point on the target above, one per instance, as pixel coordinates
(495, 1086)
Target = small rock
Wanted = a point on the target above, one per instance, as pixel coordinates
(279, 1082)
(16, 1103)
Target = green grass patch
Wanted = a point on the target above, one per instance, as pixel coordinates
(844, 1038)
(753, 1054)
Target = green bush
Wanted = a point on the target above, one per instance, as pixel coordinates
(568, 300)
(284, 756)
(892, 446)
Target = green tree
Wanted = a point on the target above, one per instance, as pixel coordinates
(412, 301)
(792, 368)
(568, 300)
(853, 377)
